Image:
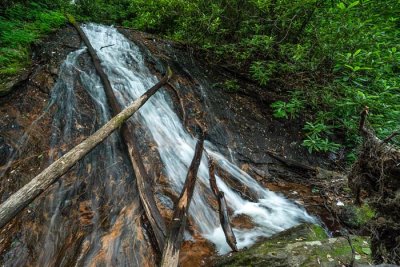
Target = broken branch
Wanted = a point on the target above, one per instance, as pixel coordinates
(170, 257)
(222, 207)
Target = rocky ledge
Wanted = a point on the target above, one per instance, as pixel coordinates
(303, 245)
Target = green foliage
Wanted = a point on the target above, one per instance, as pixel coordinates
(231, 86)
(315, 141)
(365, 53)
(262, 71)
(340, 55)
(289, 109)
(319, 144)
(20, 27)
(358, 217)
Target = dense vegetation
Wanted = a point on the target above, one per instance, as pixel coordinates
(329, 58)
(20, 26)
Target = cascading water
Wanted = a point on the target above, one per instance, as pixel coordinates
(104, 182)
(104, 170)
(271, 213)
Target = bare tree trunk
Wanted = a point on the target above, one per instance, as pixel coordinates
(20, 199)
(170, 257)
(143, 180)
(222, 207)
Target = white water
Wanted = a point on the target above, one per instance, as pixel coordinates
(105, 173)
(130, 78)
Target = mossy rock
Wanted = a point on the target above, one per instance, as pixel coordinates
(5, 88)
(356, 217)
(303, 245)
(8, 83)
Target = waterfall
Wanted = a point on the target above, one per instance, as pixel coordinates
(129, 76)
(101, 189)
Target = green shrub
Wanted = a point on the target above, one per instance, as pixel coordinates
(20, 27)
(231, 86)
(262, 71)
(289, 109)
(315, 141)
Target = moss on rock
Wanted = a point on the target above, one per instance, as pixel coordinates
(303, 245)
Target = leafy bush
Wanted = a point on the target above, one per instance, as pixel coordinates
(287, 109)
(315, 141)
(20, 27)
(231, 86)
(262, 71)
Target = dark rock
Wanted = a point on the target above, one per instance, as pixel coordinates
(5, 151)
(43, 80)
(8, 84)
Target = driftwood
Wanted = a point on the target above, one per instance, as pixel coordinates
(170, 257)
(222, 207)
(20, 199)
(143, 180)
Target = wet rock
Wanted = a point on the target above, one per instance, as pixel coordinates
(53, 70)
(5, 151)
(9, 83)
(242, 221)
(43, 80)
(304, 245)
(356, 217)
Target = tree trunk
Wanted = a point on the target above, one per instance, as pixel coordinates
(222, 207)
(170, 257)
(20, 199)
(143, 180)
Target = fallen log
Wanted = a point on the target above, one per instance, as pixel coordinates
(158, 228)
(222, 207)
(20, 199)
(170, 257)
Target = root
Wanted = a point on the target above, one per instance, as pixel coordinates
(376, 174)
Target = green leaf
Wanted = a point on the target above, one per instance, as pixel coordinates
(357, 52)
(341, 6)
(353, 4)
(350, 67)
(366, 251)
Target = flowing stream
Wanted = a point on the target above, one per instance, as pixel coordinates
(107, 171)
(272, 213)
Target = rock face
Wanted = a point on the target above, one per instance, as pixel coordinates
(304, 245)
(7, 84)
